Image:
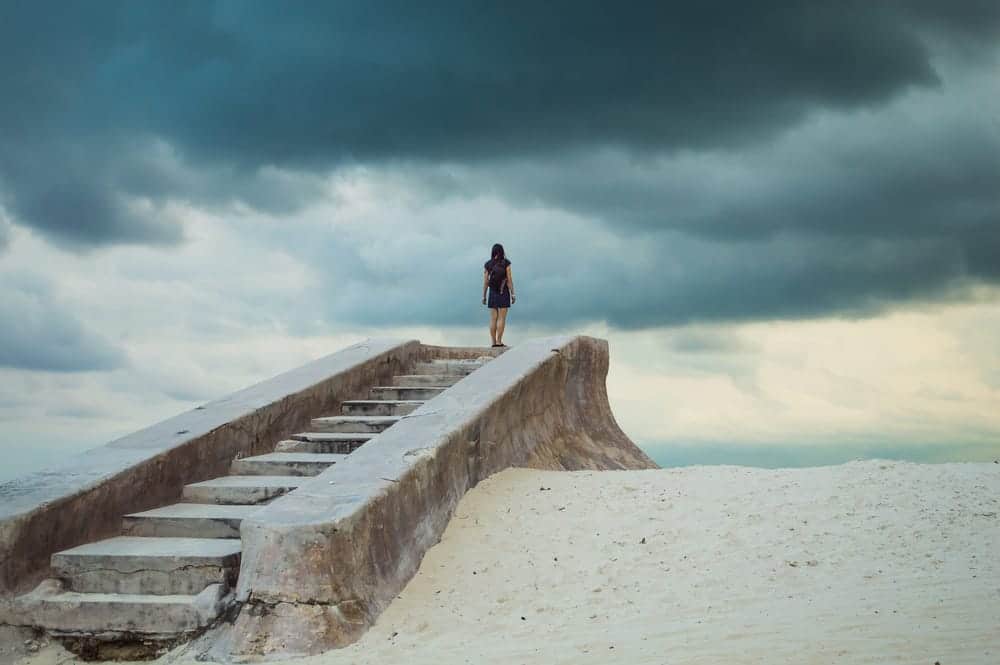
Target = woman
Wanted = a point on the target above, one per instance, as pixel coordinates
(497, 277)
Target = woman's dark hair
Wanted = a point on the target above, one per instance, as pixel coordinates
(497, 254)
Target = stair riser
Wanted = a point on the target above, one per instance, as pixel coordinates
(234, 496)
(445, 368)
(326, 447)
(398, 393)
(117, 617)
(417, 380)
(256, 468)
(151, 527)
(379, 409)
(157, 621)
(94, 576)
(349, 426)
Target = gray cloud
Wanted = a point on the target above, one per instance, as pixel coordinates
(707, 342)
(235, 90)
(39, 333)
(845, 216)
(4, 233)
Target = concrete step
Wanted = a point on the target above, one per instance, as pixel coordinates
(188, 520)
(376, 407)
(353, 424)
(318, 447)
(402, 392)
(122, 616)
(327, 442)
(285, 464)
(157, 566)
(442, 366)
(416, 380)
(240, 490)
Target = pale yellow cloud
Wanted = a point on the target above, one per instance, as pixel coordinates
(925, 376)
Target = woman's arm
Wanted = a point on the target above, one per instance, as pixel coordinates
(510, 284)
(486, 283)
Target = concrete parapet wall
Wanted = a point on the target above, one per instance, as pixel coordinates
(84, 499)
(320, 564)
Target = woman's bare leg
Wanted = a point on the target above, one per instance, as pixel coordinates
(501, 324)
(493, 326)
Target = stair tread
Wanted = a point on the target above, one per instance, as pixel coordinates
(130, 598)
(159, 616)
(252, 481)
(318, 458)
(358, 419)
(137, 546)
(198, 511)
(383, 401)
(424, 392)
(410, 388)
(333, 436)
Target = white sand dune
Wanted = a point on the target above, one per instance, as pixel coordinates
(868, 562)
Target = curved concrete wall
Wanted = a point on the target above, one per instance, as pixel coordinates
(83, 499)
(320, 564)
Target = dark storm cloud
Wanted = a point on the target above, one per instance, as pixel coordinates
(39, 333)
(846, 215)
(92, 91)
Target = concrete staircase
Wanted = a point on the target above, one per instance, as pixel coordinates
(171, 572)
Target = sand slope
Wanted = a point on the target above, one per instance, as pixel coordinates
(869, 562)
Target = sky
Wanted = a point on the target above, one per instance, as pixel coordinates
(784, 216)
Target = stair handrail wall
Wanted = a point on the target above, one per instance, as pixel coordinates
(84, 498)
(321, 563)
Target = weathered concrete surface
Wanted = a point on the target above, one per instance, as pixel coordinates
(159, 566)
(188, 520)
(83, 499)
(353, 424)
(405, 393)
(72, 613)
(320, 564)
(241, 490)
(286, 464)
(414, 380)
(368, 407)
(343, 446)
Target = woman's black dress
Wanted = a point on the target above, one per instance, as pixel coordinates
(499, 297)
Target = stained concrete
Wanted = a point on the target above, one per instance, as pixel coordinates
(342, 446)
(405, 393)
(83, 498)
(320, 564)
(353, 424)
(369, 407)
(415, 380)
(160, 566)
(246, 490)
(449, 366)
(188, 520)
(286, 464)
(122, 615)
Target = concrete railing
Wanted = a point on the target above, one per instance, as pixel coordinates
(320, 564)
(84, 499)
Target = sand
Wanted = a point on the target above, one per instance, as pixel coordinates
(867, 562)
